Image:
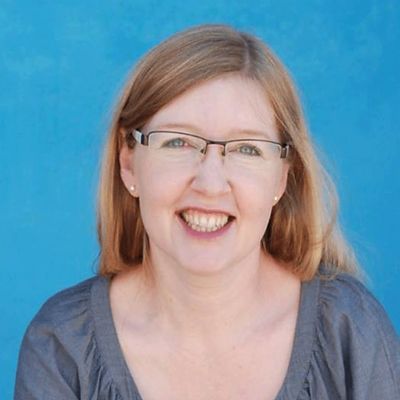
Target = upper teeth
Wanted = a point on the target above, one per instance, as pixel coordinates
(204, 222)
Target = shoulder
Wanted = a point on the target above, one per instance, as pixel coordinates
(345, 300)
(64, 322)
(65, 307)
(356, 350)
(59, 354)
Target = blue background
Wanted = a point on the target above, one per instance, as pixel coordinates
(62, 66)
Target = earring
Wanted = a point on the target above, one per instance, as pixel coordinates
(132, 188)
(276, 198)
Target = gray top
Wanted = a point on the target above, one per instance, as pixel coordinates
(344, 347)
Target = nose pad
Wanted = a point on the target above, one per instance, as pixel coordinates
(210, 177)
(204, 151)
(211, 154)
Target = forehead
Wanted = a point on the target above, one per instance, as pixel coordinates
(218, 108)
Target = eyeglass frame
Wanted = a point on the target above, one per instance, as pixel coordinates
(143, 139)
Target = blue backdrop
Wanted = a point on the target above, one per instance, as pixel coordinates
(62, 65)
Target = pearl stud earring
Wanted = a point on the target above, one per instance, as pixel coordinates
(276, 198)
(132, 188)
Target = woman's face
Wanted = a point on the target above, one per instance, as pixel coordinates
(178, 202)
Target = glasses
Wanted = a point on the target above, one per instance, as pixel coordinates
(185, 149)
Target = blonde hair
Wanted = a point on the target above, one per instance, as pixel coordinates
(302, 231)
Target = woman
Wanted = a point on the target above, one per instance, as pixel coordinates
(222, 272)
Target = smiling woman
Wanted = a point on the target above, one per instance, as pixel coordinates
(223, 273)
(199, 184)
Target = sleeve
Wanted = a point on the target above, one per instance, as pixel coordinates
(358, 343)
(45, 370)
(375, 360)
(384, 361)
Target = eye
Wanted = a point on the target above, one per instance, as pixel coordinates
(177, 143)
(248, 150)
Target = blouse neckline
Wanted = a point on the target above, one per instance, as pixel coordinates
(114, 360)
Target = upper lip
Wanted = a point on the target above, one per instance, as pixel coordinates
(206, 210)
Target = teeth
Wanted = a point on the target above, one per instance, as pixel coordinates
(204, 222)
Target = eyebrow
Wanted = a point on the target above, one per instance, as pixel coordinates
(188, 128)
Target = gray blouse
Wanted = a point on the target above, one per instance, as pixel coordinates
(344, 347)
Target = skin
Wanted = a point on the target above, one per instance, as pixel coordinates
(214, 305)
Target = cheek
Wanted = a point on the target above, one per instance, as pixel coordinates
(154, 179)
(255, 210)
(260, 192)
(159, 192)
(256, 202)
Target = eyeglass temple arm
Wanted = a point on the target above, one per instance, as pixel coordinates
(140, 138)
(285, 151)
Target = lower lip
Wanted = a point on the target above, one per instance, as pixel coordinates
(204, 235)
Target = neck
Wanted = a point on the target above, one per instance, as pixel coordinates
(226, 304)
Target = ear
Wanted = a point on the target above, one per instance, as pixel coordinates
(126, 169)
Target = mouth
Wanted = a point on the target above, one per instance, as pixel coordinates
(201, 221)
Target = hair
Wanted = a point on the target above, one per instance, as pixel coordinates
(302, 232)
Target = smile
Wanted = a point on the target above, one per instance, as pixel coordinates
(205, 222)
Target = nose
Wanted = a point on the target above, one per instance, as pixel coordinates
(210, 176)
